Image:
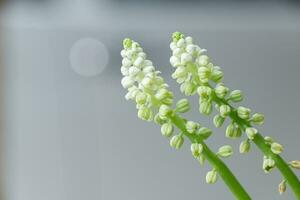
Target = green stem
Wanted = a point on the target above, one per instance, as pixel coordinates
(230, 180)
(259, 141)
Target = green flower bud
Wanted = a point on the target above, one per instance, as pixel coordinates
(251, 132)
(145, 113)
(191, 126)
(205, 93)
(204, 132)
(276, 148)
(177, 36)
(127, 43)
(221, 91)
(176, 141)
(245, 146)
(167, 129)
(218, 121)
(205, 107)
(295, 164)
(188, 88)
(233, 131)
(141, 98)
(163, 93)
(182, 106)
(225, 151)
(158, 120)
(203, 60)
(165, 111)
(236, 96)
(243, 113)
(282, 187)
(268, 164)
(201, 159)
(196, 149)
(268, 140)
(224, 110)
(216, 76)
(258, 119)
(211, 177)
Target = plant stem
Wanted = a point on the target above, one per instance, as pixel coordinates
(230, 180)
(259, 141)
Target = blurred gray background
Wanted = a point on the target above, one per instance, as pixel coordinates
(68, 133)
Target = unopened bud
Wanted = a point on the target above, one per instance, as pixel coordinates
(141, 98)
(218, 121)
(203, 60)
(268, 164)
(251, 132)
(196, 149)
(176, 141)
(224, 110)
(205, 107)
(145, 114)
(236, 96)
(164, 111)
(159, 120)
(225, 151)
(243, 113)
(167, 129)
(282, 187)
(245, 146)
(204, 132)
(258, 119)
(276, 148)
(182, 106)
(211, 177)
(295, 164)
(216, 76)
(221, 91)
(191, 126)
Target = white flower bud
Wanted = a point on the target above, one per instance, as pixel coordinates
(251, 132)
(224, 110)
(236, 96)
(148, 63)
(221, 91)
(185, 58)
(167, 129)
(176, 141)
(177, 52)
(189, 40)
(211, 177)
(191, 49)
(182, 106)
(124, 71)
(205, 107)
(205, 92)
(163, 93)
(180, 43)
(127, 82)
(204, 74)
(258, 119)
(174, 61)
(173, 46)
(188, 88)
(138, 62)
(126, 62)
(203, 60)
(268, 164)
(147, 82)
(148, 69)
(245, 146)
(196, 149)
(216, 76)
(191, 126)
(295, 164)
(243, 113)
(218, 121)
(204, 132)
(179, 72)
(165, 111)
(133, 71)
(282, 187)
(268, 140)
(141, 98)
(123, 53)
(142, 55)
(225, 151)
(276, 148)
(145, 113)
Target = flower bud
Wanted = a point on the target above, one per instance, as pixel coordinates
(179, 72)
(165, 111)
(189, 88)
(221, 91)
(147, 82)
(185, 58)
(205, 93)
(145, 113)
(204, 132)
(276, 148)
(216, 76)
(167, 129)
(224, 110)
(138, 62)
(245, 146)
(189, 40)
(211, 177)
(282, 187)
(180, 43)
(176, 141)
(204, 74)
(268, 164)
(127, 82)
(236, 96)
(230, 130)
(201, 159)
(251, 132)
(196, 149)
(177, 36)
(127, 43)
(295, 164)
(163, 93)
(174, 61)
(218, 121)
(203, 60)
(268, 140)
(225, 151)
(243, 113)
(158, 120)
(141, 98)
(191, 126)
(205, 107)
(258, 119)
(182, 106)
